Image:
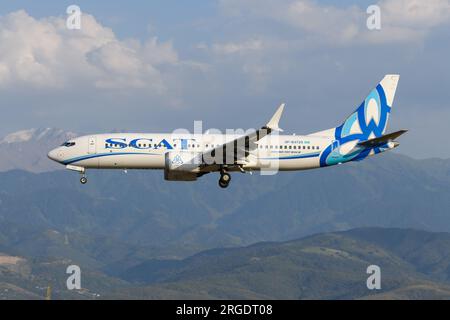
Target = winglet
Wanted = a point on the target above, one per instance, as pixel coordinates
(273, 123)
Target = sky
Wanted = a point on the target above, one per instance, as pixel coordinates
(155, 66)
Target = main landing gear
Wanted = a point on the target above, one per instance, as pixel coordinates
(224, 180)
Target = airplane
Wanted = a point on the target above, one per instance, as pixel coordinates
(186, 157)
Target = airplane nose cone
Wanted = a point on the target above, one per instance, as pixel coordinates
(53, 155)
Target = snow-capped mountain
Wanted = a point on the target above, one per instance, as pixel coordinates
(27, 149)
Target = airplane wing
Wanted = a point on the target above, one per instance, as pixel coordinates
(233, 152)
(371, 143)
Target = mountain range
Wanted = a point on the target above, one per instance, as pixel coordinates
(27, 149)
(179, 219)
(413, 265)
(120, 226)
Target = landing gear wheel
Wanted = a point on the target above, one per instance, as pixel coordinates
(83, 180)
(223, 184)
(225, 177)
(224, 180)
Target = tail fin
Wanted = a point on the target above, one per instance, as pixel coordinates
(371, 118)
(369, 121)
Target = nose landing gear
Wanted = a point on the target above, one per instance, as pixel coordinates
(224, 180)
(81, 170)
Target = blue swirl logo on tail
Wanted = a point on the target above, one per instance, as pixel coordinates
(367, 122)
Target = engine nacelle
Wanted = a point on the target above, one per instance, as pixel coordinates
(182, 165)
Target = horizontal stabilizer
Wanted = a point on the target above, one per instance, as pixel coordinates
(381, 140)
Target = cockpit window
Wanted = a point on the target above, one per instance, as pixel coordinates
(68, 144)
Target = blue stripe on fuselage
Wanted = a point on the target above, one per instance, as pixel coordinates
(297, 156)
(92, 156)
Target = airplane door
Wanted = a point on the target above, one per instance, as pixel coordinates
(92, 143)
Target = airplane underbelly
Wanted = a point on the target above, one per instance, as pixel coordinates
(299, 164)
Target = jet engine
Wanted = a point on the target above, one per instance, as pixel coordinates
(182, 165)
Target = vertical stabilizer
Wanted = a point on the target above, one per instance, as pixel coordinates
(368, 121)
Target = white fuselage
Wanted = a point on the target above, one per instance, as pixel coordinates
(147, 151)
(186, 157)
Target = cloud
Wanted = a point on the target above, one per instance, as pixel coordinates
(43, 53)
(253, 54)
(236, 47)
(416, 14)
(277, 37)
(402, 20)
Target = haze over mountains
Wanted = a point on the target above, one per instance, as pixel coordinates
(118, 224)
